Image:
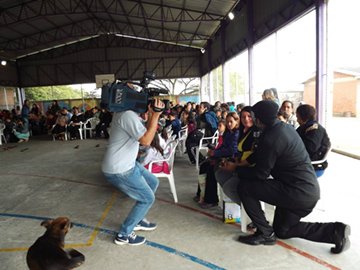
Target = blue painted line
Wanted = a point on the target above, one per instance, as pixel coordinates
(111, 232)
(184, 255)
(24, 216)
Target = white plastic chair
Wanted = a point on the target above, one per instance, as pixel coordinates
(203, 146)
(244, 218)
(93, 121)
(169, 134)
(319, 173)
(168, 128)
(182, 136)
(314, 162)
(169, 131)
(81, 124)
(54, 135)
(2, 135)
(170, 176)
(170, 140)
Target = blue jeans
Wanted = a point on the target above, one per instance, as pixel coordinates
(138, 183)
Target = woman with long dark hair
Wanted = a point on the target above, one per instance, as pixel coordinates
(228, 148)
(227, 175)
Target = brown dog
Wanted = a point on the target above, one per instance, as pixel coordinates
(48, 251)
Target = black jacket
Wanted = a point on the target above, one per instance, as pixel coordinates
(315, 138)
(282, 154)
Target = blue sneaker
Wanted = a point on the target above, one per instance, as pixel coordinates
(145, 225)
(132, 240)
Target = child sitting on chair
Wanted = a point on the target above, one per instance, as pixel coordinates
(155, 152)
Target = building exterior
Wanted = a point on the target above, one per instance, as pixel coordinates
(345, 90)
(7, 98)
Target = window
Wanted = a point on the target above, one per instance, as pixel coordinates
(216, 85)
(286, 60)
(236, 81)
(344, 75)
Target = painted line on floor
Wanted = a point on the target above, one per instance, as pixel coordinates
(307, 255)
(113, 233)
(13, 249)
(103, 216)
(57, 178)
(279, 242)
(74, 245)
(184, 255)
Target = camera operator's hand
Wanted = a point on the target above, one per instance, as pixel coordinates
(152, 123)
(157, 106)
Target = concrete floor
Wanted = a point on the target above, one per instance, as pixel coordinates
(44, 179)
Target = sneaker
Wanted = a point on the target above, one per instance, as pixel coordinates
(132, 239)
(145, 225)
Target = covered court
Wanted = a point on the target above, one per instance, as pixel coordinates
(68, 42)
(44, 179)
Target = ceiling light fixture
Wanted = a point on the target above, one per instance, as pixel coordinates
(231, 16)
(3, 63)
(202, 50)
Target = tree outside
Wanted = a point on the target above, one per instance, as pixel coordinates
(183, 86)
(237, 85)
(217, 82)
(52, 92)
(180, 86)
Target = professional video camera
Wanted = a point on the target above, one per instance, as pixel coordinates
(120, 96)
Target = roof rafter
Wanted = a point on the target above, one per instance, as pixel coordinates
(28, 11)
(97, 26)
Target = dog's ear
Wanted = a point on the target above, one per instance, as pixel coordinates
(47, 223)
(63, 225)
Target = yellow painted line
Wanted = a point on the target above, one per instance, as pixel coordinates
(26, 248)
(13, 249)
(75, 245)
(103, 216)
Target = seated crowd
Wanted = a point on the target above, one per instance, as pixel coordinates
(22, 123)
(262, 153)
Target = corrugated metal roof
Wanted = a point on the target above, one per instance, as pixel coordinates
(28, 27)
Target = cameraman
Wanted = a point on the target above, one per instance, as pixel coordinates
(123, 171)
